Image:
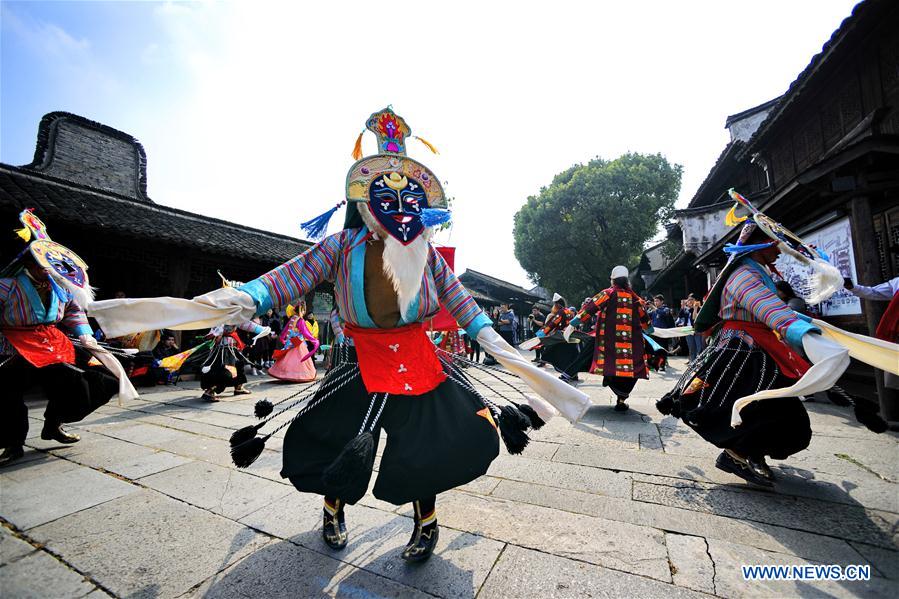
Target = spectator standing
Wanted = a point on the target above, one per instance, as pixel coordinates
(508, 324)
(662, 318)
(687, 318)
(536, 319)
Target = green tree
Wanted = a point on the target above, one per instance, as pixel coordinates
(593, 217)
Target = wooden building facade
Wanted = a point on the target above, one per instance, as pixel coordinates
(823, 159)
(88, 184)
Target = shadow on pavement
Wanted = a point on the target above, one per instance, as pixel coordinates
(303, 567)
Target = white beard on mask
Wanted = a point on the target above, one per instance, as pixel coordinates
(404, 265)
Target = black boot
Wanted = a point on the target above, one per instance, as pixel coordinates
(334, 525)
(11, 454)
(424, 534)
(620, 405)
(740, 467)
(53, 432)
(760, 467)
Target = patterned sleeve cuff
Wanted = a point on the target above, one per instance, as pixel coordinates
(259, 292)
(796, 330)
(83, 329)
(474, 327)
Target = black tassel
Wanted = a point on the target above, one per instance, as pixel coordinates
(348, 475)
(870, 418)
(666, 404)
(243, 435)
(246, 453)
(512, 427)
(536, 421)
(263, 408)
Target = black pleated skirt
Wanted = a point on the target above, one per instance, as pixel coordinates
(435, 441)
(732, 367)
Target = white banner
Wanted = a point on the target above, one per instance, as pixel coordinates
(835, 240)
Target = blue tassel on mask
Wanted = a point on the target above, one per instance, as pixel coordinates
(431, 217)
(730, 248)
(316, 227)
(63, 294)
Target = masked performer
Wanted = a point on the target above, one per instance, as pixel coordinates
(226, 364)
(388, 279)
(555, 350)
(758, 347)
(620, 320)
(40, 292)
(293, 362)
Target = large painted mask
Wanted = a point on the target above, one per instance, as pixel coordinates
(398, 190)
(64, 262)
(396, 201)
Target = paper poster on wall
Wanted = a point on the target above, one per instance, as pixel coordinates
(835, 240)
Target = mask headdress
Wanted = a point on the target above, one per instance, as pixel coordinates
(68, 272)
(826, 278)
(405, 197)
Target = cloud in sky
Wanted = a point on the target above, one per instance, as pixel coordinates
(249, 110)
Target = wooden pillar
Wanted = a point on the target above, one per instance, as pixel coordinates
(179, 273)
(868, 270)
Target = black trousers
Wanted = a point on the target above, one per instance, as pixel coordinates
(435, 441)
(71, 395)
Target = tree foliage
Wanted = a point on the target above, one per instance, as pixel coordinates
(593, 217)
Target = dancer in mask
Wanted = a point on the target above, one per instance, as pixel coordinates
(388, 279)
(41, 294)
(758, 346)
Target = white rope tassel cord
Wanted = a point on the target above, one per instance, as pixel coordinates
(829, 359)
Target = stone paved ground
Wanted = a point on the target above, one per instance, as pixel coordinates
(148, 505)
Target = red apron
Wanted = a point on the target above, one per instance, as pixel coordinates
(791, 364)
(41, 345)
(400, 361)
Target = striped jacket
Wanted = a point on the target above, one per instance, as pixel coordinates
(21, 306)
(340, 258)
(749, 295)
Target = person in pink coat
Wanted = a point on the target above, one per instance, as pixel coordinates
(293, 362)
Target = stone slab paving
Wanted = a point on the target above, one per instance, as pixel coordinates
(619, 505)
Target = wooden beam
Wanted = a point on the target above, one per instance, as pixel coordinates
(868, 270)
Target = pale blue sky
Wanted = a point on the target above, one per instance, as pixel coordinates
(249, 110)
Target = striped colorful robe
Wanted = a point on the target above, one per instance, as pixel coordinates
(750, 296)
(340, 258)
(620, 320)
(21, 307)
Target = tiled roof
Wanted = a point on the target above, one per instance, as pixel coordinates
(473, 277)
(726, 154)
(55, 200)
(864, 9)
